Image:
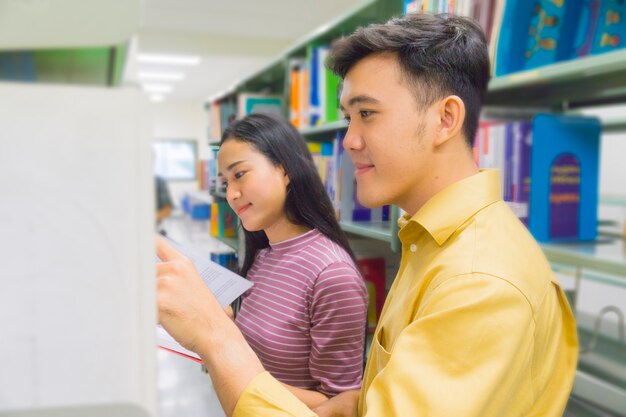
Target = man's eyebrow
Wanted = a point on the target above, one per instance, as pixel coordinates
(361, 99)
(230, 167)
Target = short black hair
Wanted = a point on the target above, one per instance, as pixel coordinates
(439, 55)
(307, 203)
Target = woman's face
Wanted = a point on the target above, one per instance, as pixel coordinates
(256, 189)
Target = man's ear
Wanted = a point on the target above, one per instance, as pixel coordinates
(451, 112)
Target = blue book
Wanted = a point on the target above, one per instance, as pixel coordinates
(603, 28)
(538, 33)
(564, 178)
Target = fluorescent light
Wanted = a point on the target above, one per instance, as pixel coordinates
(156, 97)
(165, 76)
(157, 88)
(169, 59)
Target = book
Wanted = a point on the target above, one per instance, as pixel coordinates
(248, 103)
(549, 172)
(225, 285)
(373, 272)
(565, 163)
(534, 34)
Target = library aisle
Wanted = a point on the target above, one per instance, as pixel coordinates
(184, 389)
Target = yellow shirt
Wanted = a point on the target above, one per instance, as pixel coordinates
(475, 323)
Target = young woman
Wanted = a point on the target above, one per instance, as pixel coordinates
(305, 315)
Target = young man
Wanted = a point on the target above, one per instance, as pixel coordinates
(475, 323)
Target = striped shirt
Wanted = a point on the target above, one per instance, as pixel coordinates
(305, 315)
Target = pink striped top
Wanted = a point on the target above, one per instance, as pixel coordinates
(305, 315)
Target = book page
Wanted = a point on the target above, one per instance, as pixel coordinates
(225, 285)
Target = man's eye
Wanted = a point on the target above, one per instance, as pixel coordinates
(365, 113)
(347, 119)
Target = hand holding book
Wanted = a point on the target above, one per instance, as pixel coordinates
(185, 275)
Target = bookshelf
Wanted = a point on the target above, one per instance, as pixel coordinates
(231, 242)
(614, 125)
(559, 87)
(606, 255)
(218, 194)
(560, 83)
(374, 230)
(321, 132)
(273, 79)
(563, 86)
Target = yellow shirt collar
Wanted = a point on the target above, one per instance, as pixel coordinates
(447, 210)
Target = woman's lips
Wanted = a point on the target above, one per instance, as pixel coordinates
(243, 208)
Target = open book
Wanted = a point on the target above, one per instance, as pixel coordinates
(225, 285)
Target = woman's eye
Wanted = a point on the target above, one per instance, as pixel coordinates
(239, 174)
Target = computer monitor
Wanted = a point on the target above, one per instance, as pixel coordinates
(77, 285)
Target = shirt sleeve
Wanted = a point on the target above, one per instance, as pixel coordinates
(266, 397)
(467, 352)
(338, 325)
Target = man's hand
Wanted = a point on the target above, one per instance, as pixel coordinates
(191, 314)
(341, 405)
(185, 304)
(229, 312)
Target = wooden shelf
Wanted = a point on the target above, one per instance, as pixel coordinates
(613, 200)
(374, 230)
(232, 242)
(325, 129)
(607, 256)
(601, 373)
(218, 194)
(614, 125)
(271, 77)
(590, 80)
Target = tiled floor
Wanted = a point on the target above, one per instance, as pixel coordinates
(184, 390)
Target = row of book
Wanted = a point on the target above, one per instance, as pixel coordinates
(224, 221)
(224, 112)
(313, 96)
(482, 11)
(313, 89)
(549, 172)
(522, 35)
(337, 173)
(529, 34)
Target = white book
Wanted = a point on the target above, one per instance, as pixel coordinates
(225, 285)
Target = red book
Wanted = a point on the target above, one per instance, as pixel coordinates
(373, 271)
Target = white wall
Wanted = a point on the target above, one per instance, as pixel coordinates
(182, 120)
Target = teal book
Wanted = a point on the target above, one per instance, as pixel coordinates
(565, 159)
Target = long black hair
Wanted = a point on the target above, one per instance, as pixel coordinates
(307, 203)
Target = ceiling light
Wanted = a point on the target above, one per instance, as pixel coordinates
(166, 76)
(156, 97)
(169, 59)
(157, 88)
